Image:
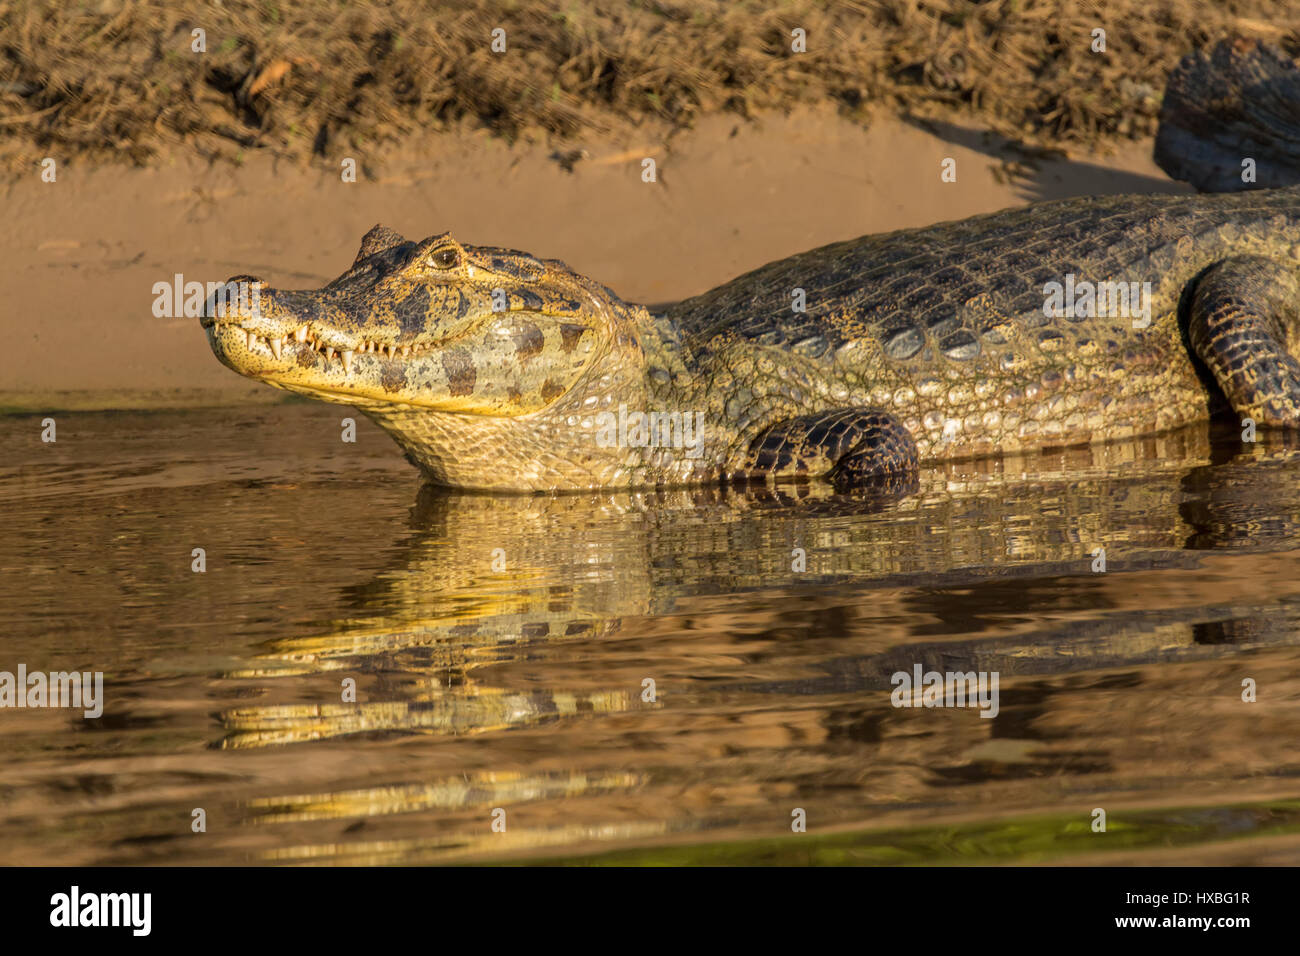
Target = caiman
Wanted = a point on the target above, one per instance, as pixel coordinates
(1076, 321)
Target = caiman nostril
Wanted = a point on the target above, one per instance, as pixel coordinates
(239, 297)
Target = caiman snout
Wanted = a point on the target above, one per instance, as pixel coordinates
(261, 331)
(238, 298)
(244, 307)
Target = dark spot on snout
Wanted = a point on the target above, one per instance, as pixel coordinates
(306, 357)
(528, 341)
(569, 336)
(394, 376)
(412, 312)
(459, 366)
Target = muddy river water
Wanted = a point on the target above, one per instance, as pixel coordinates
(370, 671)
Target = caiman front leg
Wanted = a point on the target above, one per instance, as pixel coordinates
(1243, 324)
(853, 447)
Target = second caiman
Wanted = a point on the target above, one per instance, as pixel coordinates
(1067, 322)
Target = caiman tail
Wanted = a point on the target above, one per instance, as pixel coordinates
(1240, 101)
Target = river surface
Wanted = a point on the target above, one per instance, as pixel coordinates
(686, 676)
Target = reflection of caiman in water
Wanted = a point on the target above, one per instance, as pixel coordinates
(989, 543)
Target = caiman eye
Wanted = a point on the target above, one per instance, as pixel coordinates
(444, 259)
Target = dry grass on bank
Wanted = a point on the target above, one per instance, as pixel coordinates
(116, 78)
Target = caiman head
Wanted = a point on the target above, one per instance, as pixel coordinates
(444, 344)
(433, 324)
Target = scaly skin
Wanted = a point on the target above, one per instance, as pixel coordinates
(942, 329)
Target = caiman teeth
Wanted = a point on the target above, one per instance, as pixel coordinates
(303, 334)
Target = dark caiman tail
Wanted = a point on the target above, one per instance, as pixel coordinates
(1239, 101)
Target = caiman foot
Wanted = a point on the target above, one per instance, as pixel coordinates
(852, 447)
(1244, 324)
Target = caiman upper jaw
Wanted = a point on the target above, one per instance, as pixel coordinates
(264, 336)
